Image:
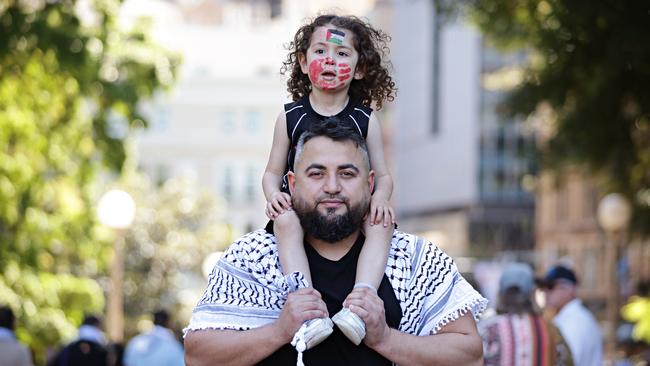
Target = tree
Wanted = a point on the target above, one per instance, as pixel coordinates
(589, 65)
(175, 228)
(70, 82)
(48, 306)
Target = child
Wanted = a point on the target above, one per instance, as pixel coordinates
(335, 70)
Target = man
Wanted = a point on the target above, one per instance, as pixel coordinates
(421, 314)
(11, 352)
(158, 347)
(576, 323)
(518, 335)
(88, 350)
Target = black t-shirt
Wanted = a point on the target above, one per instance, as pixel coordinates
(334, 280)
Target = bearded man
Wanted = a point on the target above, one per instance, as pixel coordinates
(423, 312)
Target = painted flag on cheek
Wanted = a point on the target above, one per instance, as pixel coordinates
(335, 36)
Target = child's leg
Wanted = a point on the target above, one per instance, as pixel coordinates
(374, 255)
(370, 270)
(290, 240)
(291, 250)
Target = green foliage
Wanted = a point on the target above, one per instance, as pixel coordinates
(68, 96)
(637, 311)
(69, 89)
(175, 228)
(48, 307)
(590, 63)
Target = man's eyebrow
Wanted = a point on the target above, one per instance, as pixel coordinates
(340, 167)
(315, 166)
(349, 166)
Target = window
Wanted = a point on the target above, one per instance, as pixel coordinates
(251, 184)
(435, 90)
(161, 120)
(228, 122)
(253, 119)
(228, 184)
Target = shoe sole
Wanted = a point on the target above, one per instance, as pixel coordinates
(320, 331)
(354, 330)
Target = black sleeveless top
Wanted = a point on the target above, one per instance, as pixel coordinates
(301, 116)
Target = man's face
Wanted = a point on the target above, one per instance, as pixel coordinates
(559, 294)
(330, 188)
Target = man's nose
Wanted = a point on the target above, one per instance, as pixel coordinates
(332, 184)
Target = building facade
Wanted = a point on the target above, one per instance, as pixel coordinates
(460, 168)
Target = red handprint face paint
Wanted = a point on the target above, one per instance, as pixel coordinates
(330, 59)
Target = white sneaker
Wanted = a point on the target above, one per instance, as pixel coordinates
(351, 325)
(312, 332)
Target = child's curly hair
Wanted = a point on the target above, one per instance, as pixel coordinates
(371, 44)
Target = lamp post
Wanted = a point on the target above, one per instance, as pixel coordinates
(613, 215)
(116, 210)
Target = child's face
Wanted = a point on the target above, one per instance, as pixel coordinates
(331, 60)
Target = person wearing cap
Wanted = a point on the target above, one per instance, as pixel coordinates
(518, 334)
(576, 323)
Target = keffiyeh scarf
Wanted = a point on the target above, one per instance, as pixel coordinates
(247, 289)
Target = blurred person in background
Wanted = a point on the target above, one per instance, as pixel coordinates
(576, 323)
(88, 350)
(12, 353)
(518, 334)
(157, 347)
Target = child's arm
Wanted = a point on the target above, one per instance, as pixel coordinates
(277, 201)
(380, 209)
(286, 226)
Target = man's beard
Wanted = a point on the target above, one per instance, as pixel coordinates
(330, 227)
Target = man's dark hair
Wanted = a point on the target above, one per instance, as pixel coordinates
(161, 317)
(335, 129)
(92, 320)
(7, 318)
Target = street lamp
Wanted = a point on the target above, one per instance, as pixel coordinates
(613, 215)
(116, 210)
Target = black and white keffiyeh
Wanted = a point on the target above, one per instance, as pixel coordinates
(247, 289)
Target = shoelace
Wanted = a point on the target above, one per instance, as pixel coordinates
(299, 343)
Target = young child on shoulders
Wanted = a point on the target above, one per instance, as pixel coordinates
(335, 70)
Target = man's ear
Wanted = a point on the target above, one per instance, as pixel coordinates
(371, 180)
(291, 179)
(302, 60)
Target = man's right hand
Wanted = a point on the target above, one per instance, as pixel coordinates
(301, 305)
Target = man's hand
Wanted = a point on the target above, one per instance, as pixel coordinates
(301, 305)
(278, 203)
(370, 308)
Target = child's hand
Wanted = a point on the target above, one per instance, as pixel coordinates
(279, 203)
(377, 233)
(380, 211)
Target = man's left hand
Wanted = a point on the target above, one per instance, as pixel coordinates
(370, 308)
